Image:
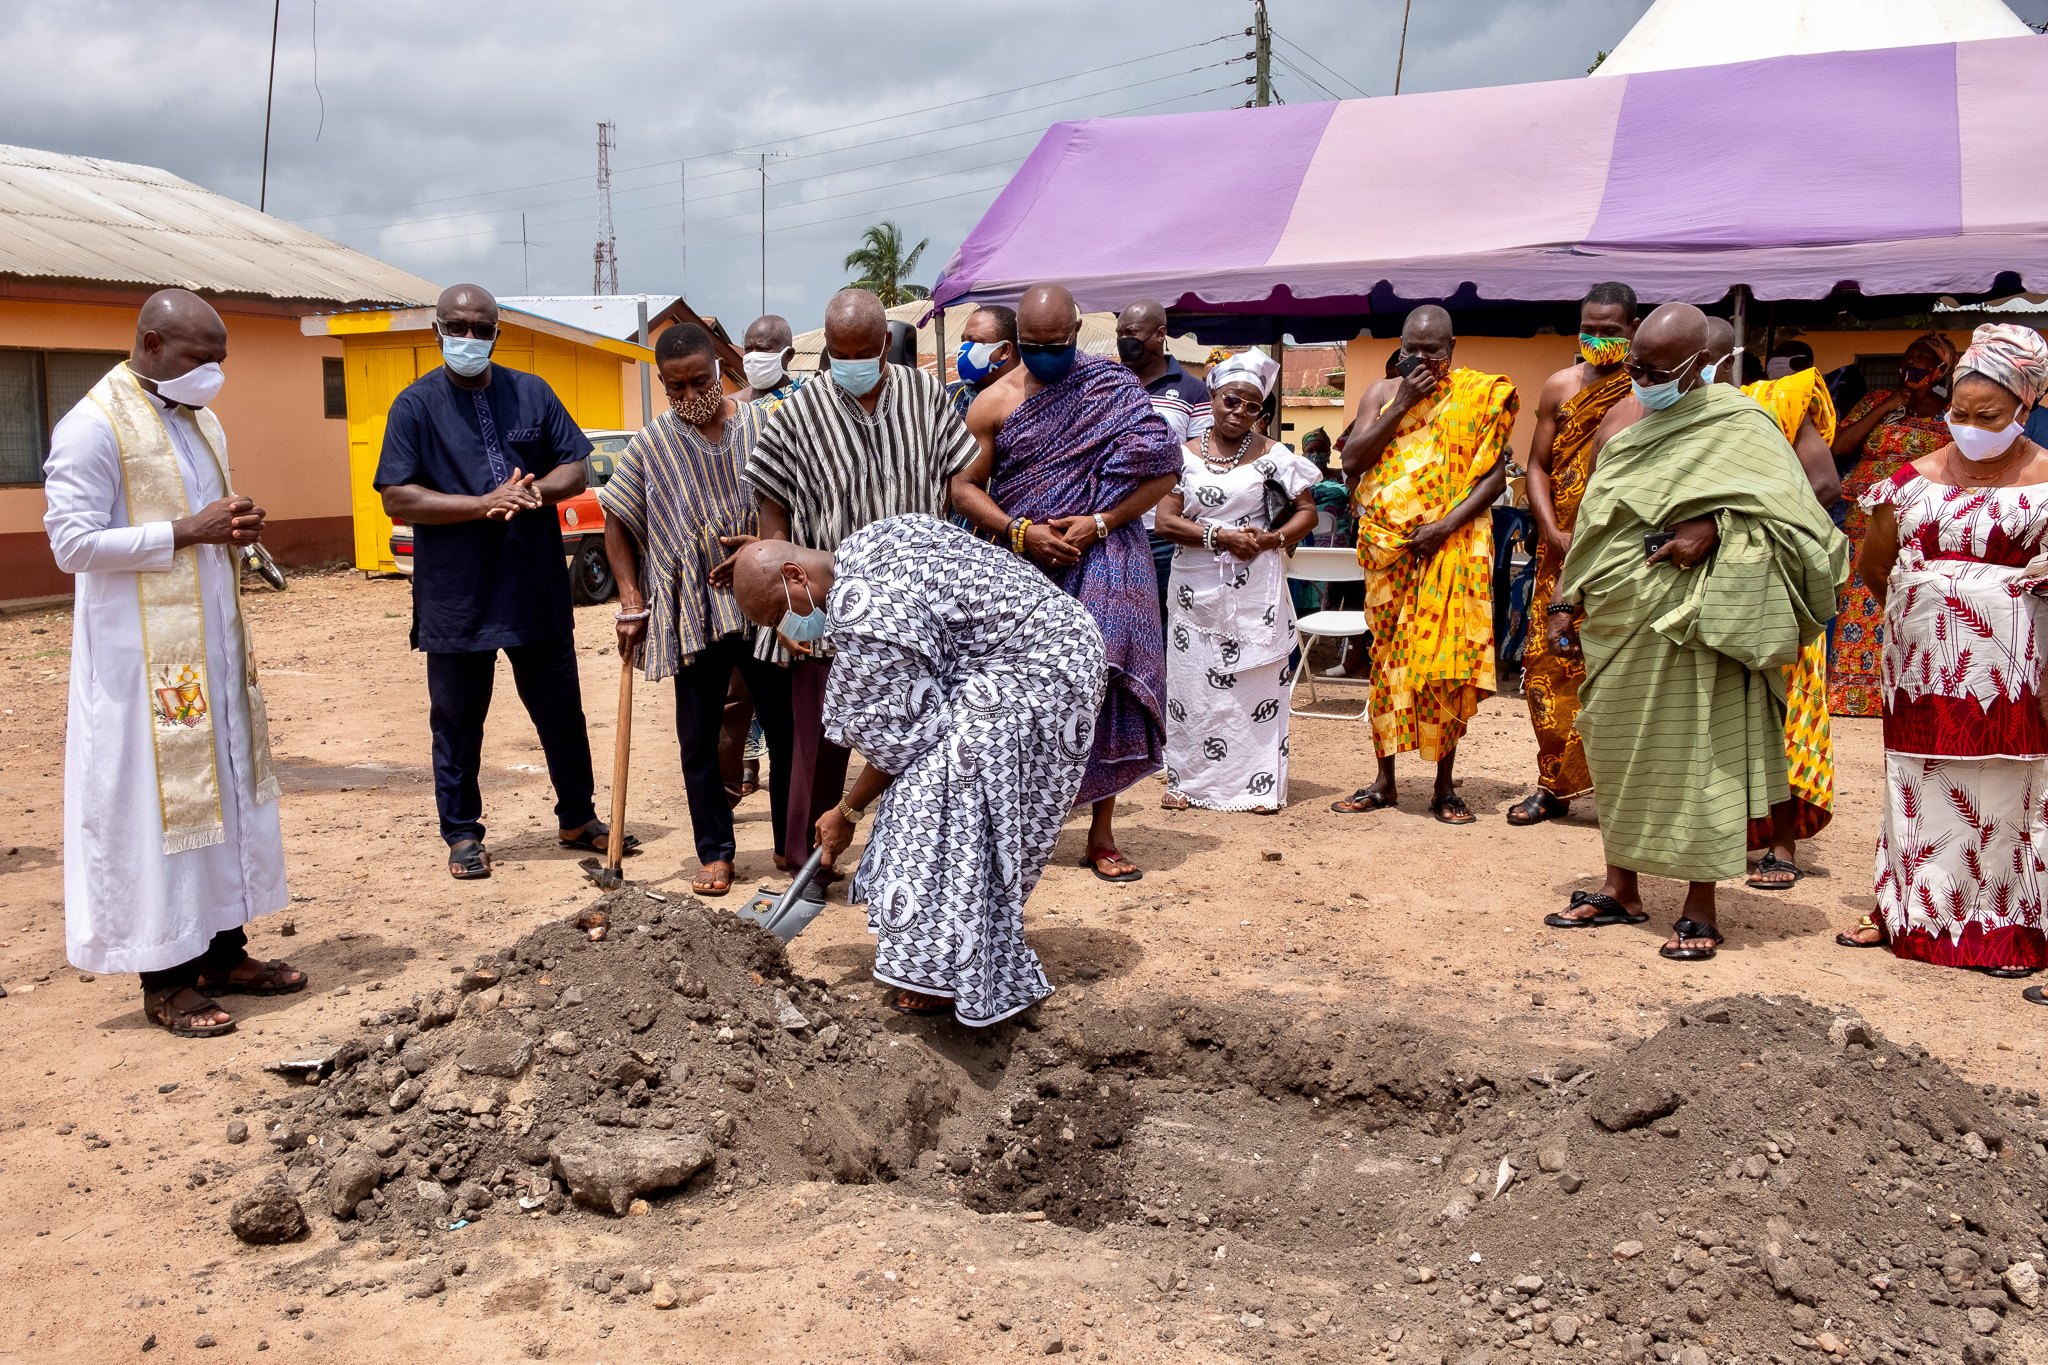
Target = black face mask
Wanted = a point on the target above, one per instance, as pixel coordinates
(1130, 350)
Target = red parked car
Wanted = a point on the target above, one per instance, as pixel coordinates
(590, 573)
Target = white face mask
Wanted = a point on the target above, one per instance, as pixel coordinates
(764, 368)
(196, 387)
(1978, 444)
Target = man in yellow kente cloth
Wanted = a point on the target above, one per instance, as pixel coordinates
(1428, 451)
(1800, 405)
(1560, 457)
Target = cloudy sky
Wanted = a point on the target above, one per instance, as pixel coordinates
(421, 131)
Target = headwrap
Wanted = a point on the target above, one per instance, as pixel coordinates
(2010, 356)
(1941, 346)
(1252, 367)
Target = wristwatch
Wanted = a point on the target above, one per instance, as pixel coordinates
(1101, 527)
(850, 814)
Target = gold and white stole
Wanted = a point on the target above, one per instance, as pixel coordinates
(174, 623)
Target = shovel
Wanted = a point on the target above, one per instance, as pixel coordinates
(792, 913)
(606, 874)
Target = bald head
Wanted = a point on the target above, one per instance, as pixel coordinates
(771, 577)
(768, 332)
(856, 325)
(1720, 346)
(468, 302)
(1671, 342)
(1046, 315)
(1428, 321)
(1148, 313)
(1427, 336)
(176, 331)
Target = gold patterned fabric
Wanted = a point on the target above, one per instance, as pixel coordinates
(1809, 747)
(174, 624)
(1432, 620)
(1550, 683)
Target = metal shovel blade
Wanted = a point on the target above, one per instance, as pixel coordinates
(790, 914)
(602, 874)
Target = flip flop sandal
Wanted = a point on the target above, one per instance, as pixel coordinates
(269, 983)
(1093, 862)
(711, 886)
(1537, 807)
(1770, 862)
(586, 840)
(933, 1004)
(2035, 995)
(1883, 939)
(1688, 929)
(1442, 808)
(1607, 910)
(595, 923)
(1362, 800)
(2007, 973)
(467, 862)
(158, 1008)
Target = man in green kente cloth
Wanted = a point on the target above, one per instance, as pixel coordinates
(1683, 708)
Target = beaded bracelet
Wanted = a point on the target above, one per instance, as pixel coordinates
(640, 615)
(1208, 537)
(1017, 530)
(1556, 610)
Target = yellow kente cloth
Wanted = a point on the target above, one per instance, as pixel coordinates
(1550, 683)
(1809, 748)
(1432, 620)
(174, 624)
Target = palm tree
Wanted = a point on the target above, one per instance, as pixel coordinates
(883, 266)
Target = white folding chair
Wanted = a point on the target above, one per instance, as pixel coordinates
(1324, 564)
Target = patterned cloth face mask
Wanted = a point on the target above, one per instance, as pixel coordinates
(1602, 350)
(695, 410)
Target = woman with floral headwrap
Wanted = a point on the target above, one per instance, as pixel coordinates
(1956, 556)
(1885, 430)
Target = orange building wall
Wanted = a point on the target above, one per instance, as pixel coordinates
(283, 451)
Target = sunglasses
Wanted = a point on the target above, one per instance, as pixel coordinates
(482, 331)
(1230, 402)
(1044, 348)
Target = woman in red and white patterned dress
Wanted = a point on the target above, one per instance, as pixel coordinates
(1956, 552)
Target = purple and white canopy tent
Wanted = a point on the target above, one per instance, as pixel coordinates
(1898, 171)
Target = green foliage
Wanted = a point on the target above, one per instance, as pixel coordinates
(883, 266)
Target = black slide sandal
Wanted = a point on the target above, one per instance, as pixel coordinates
(1687, 931)
(1770, 862)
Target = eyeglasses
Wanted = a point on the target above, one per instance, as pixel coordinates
(1230, 402)
(1644, 374)
(482, 331)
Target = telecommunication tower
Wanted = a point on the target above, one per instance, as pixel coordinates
(605, 279)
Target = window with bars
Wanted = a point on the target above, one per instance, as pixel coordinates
(36, 389)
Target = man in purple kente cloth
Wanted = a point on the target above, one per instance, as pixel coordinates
(1072, 455)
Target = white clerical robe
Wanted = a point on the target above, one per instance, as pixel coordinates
(129, 906)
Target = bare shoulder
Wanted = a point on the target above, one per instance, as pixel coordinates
(1619, 418)
(1562, 385)
(986, 415)
(1376, 396)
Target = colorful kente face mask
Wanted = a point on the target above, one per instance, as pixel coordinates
(1602, 350)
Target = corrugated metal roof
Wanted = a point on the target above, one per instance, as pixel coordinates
(612, 315)
(85, 219)
(1098, 336)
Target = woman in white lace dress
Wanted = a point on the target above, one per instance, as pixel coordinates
(1229, 620)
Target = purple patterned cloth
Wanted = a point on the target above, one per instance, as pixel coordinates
(1079, 447)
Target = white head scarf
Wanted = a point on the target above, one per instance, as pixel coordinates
(1247, 367)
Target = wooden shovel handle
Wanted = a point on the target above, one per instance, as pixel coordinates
(615, 842)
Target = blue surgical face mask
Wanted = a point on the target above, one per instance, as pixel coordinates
(467, 356)
(1049, 367)
(857, 377)
(1707, 373)
(1658, 397)
(976, 361)
(807, 627)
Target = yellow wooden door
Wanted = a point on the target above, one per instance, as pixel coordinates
(375, 376)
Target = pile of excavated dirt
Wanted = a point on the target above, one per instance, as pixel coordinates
(1760, 1180)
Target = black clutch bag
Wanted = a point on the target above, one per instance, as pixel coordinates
(1279, 506)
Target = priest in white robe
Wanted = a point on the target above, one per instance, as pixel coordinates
(171, 834)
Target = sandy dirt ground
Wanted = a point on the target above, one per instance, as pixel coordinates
(118, 1173)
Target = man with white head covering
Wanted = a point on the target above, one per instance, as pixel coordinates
(1072, 454)
(171, 833)
(1242, 499)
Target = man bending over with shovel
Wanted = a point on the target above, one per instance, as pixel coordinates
(970, 684)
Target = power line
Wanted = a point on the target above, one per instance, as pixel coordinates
(1312, 57)
(794, 137)
(1306, 79)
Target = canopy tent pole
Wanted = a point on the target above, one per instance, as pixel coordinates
(939, 345)
(646, 386)
(1741, 293)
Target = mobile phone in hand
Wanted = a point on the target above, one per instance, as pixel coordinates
(1657, 540)
(1405, 364)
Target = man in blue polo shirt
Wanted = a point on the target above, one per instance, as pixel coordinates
(475, 457)
(1179, 397)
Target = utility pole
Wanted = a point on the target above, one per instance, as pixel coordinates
(764, 235)
(1401, 57)
(605, 278)
(269, 91)
(683, 218)
(1262, 52)
(525, 260)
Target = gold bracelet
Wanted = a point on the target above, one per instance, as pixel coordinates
(850, 814)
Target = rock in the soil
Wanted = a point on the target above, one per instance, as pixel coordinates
(238, 1133)
(637, 1282)
(563, 1044)
(427, 1288)
(1623, 1102)
(607, 1171)
(433, 1198)
(788, 1016)
(664, 1295)
(1564, 1329)
(1693, 1355)
(1571, 1182)
(1984, 1322)
(1553, 1154)
(205, 1343)
(2023, 1282)
(503, 1054)
(472, 1194)
(267, 1214)
(349, 1183)
(1851, 1028)
(1055, 1346)
(1628, 1251)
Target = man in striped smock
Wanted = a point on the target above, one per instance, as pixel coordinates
(875, 440)
(675, 496)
